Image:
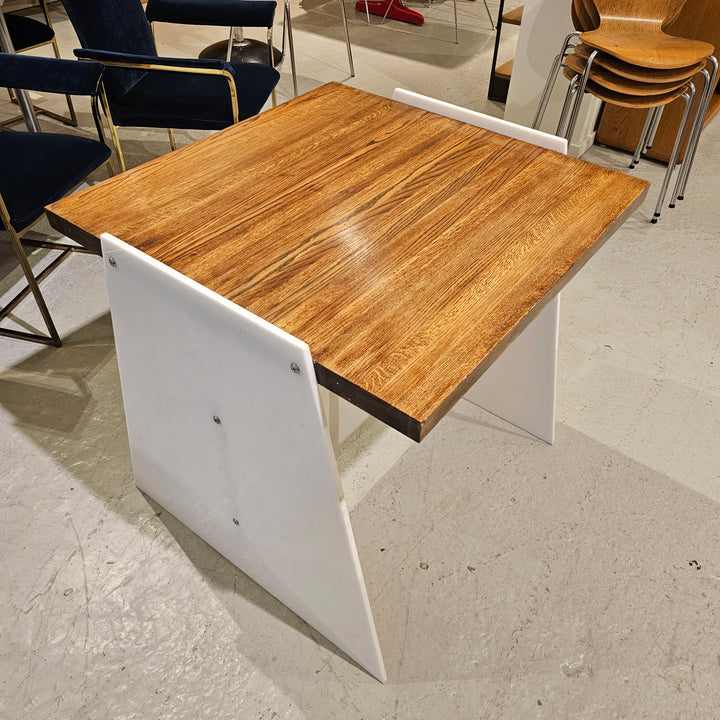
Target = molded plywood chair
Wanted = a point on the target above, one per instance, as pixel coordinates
(645, 82)
(39, 168)
(635, 72)
(586, 18)
(141, 89)
(629, 60)
(631, 30)
(28, 33)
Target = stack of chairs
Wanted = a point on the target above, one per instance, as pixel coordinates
(620, 54)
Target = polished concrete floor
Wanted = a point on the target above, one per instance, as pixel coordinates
(508, 579)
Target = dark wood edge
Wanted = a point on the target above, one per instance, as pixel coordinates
(88, 241)
(366, 401)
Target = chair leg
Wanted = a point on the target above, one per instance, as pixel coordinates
(118, 149)
(271, 57)
(171, 135)
(53, 338)
(547, 91)
(347, 35)
(569, 95)
(644, 136)
(291, 45)
(575, 112)
(688, 96)
(653, 129)
(551, 79)
(457, 36)
(113, 132)
(679, 192)
(490, 17)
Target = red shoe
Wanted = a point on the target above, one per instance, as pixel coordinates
(390, 8)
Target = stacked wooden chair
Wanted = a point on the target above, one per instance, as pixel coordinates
(620, 54)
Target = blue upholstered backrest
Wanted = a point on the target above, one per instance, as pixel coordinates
(117, 25)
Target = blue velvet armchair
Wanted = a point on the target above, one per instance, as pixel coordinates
(141, 89)
(39, 168)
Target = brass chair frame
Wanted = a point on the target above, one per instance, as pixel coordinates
(165, 68)
(33, 280)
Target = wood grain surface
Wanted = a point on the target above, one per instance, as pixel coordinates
(405, 248)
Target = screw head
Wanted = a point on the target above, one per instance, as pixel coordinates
(112, 261)
(236, 521)
(216, 419)
(295, 368)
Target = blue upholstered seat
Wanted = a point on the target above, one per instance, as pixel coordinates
(26, 32)
(118, 34)
(39, 168)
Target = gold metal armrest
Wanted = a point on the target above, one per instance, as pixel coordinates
(188, 70)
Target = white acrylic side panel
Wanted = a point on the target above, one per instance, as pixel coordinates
(502, 127)
(260, 485)
(520, 385)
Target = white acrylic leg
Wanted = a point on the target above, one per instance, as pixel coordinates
(520, 385)
(226, 433)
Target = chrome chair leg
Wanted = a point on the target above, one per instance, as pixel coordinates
(653, 129)
(490, 18)
(457, 36)
(688, 96)
(569, 96)
(551, 79)
(679, 193)
(547, 91)
(644, 137)
(575, 112)
(291, 45)
(347, 35)
(692, 140)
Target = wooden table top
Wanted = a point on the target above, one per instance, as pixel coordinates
(406, 249)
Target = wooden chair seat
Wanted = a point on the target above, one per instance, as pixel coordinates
(608, 79)
(650, 10)
(584, 15)
(633, 72)
(646, 45)
(626, 99)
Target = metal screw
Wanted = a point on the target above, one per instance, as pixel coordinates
(112, 261)
(295, 368)
(216, 419)
(236, 521)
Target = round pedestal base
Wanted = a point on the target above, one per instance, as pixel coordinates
(249, 51)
